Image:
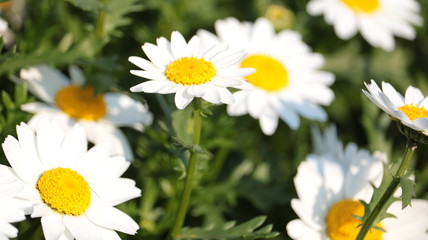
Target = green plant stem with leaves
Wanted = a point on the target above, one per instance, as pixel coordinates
(101, 19)
(190, 173)
(381, 206)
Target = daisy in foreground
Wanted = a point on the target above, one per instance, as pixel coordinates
(189, 70)
(68, 101)
(12, 209)
(287, 81)
(329, 185)
(409, 110)
(73, 189)
(377, 20)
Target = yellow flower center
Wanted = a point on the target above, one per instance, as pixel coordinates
(81, 103)
(364, 6)
(190, 71)
(65, 191)
(341, 225)
(413, 111)
(270, 74)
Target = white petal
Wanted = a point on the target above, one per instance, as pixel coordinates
(7, 231)
(236, 72)
(40, 209)
(263, 31)
(81, 228)
(288, 115)
(297, 229)
(36, 107)
(151, 86)
(44, 81)
(268, 123)
(239, 106)
(149, 74)
(225, 95)
(52, 226)
(413, 95)
(396, 98)
(411, 222)
(125, 111)
(76, 75)
(211, 94)
(179, 47)
(144, 64)
(117, 191)
(375, 34)
(49, 139)
(316, 7)
(103, 133)
(24, 167)
(112, 218)
(73, 147)
(311, 111)
(347, 26)
(89, 164)
(157, 56)
(256, 101)
(182, 98)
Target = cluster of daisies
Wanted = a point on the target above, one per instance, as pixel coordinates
(74, 190)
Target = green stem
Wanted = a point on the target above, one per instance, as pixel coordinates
(389, 192)
(190, 174)
(101, 19)
(218, 162)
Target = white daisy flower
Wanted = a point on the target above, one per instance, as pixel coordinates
(287, 81)
(410, 110)
(68, 101)
(329, 185)
(377, 20)
(189, 70)
(12, 209)
(73, 189)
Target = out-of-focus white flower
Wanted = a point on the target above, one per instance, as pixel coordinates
(68, 101)
(377, 20)
(329, 185)
(287, 81)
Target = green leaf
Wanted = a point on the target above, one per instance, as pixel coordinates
(21, 94)
(116, 13)
(228, 231)
(87, 5)
(191, 147)
(408, 191)
(7, 100)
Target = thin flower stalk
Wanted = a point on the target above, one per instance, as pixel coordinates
(382, 205)
(190, 174)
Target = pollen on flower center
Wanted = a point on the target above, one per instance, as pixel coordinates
(364, 6)
(190, 71)
(65, 191)
(270, 75)
(342, 225)
(413, 111)
(81, 103)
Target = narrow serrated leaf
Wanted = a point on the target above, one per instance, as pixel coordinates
(408, 191)
(243, 231)
(87, 5)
